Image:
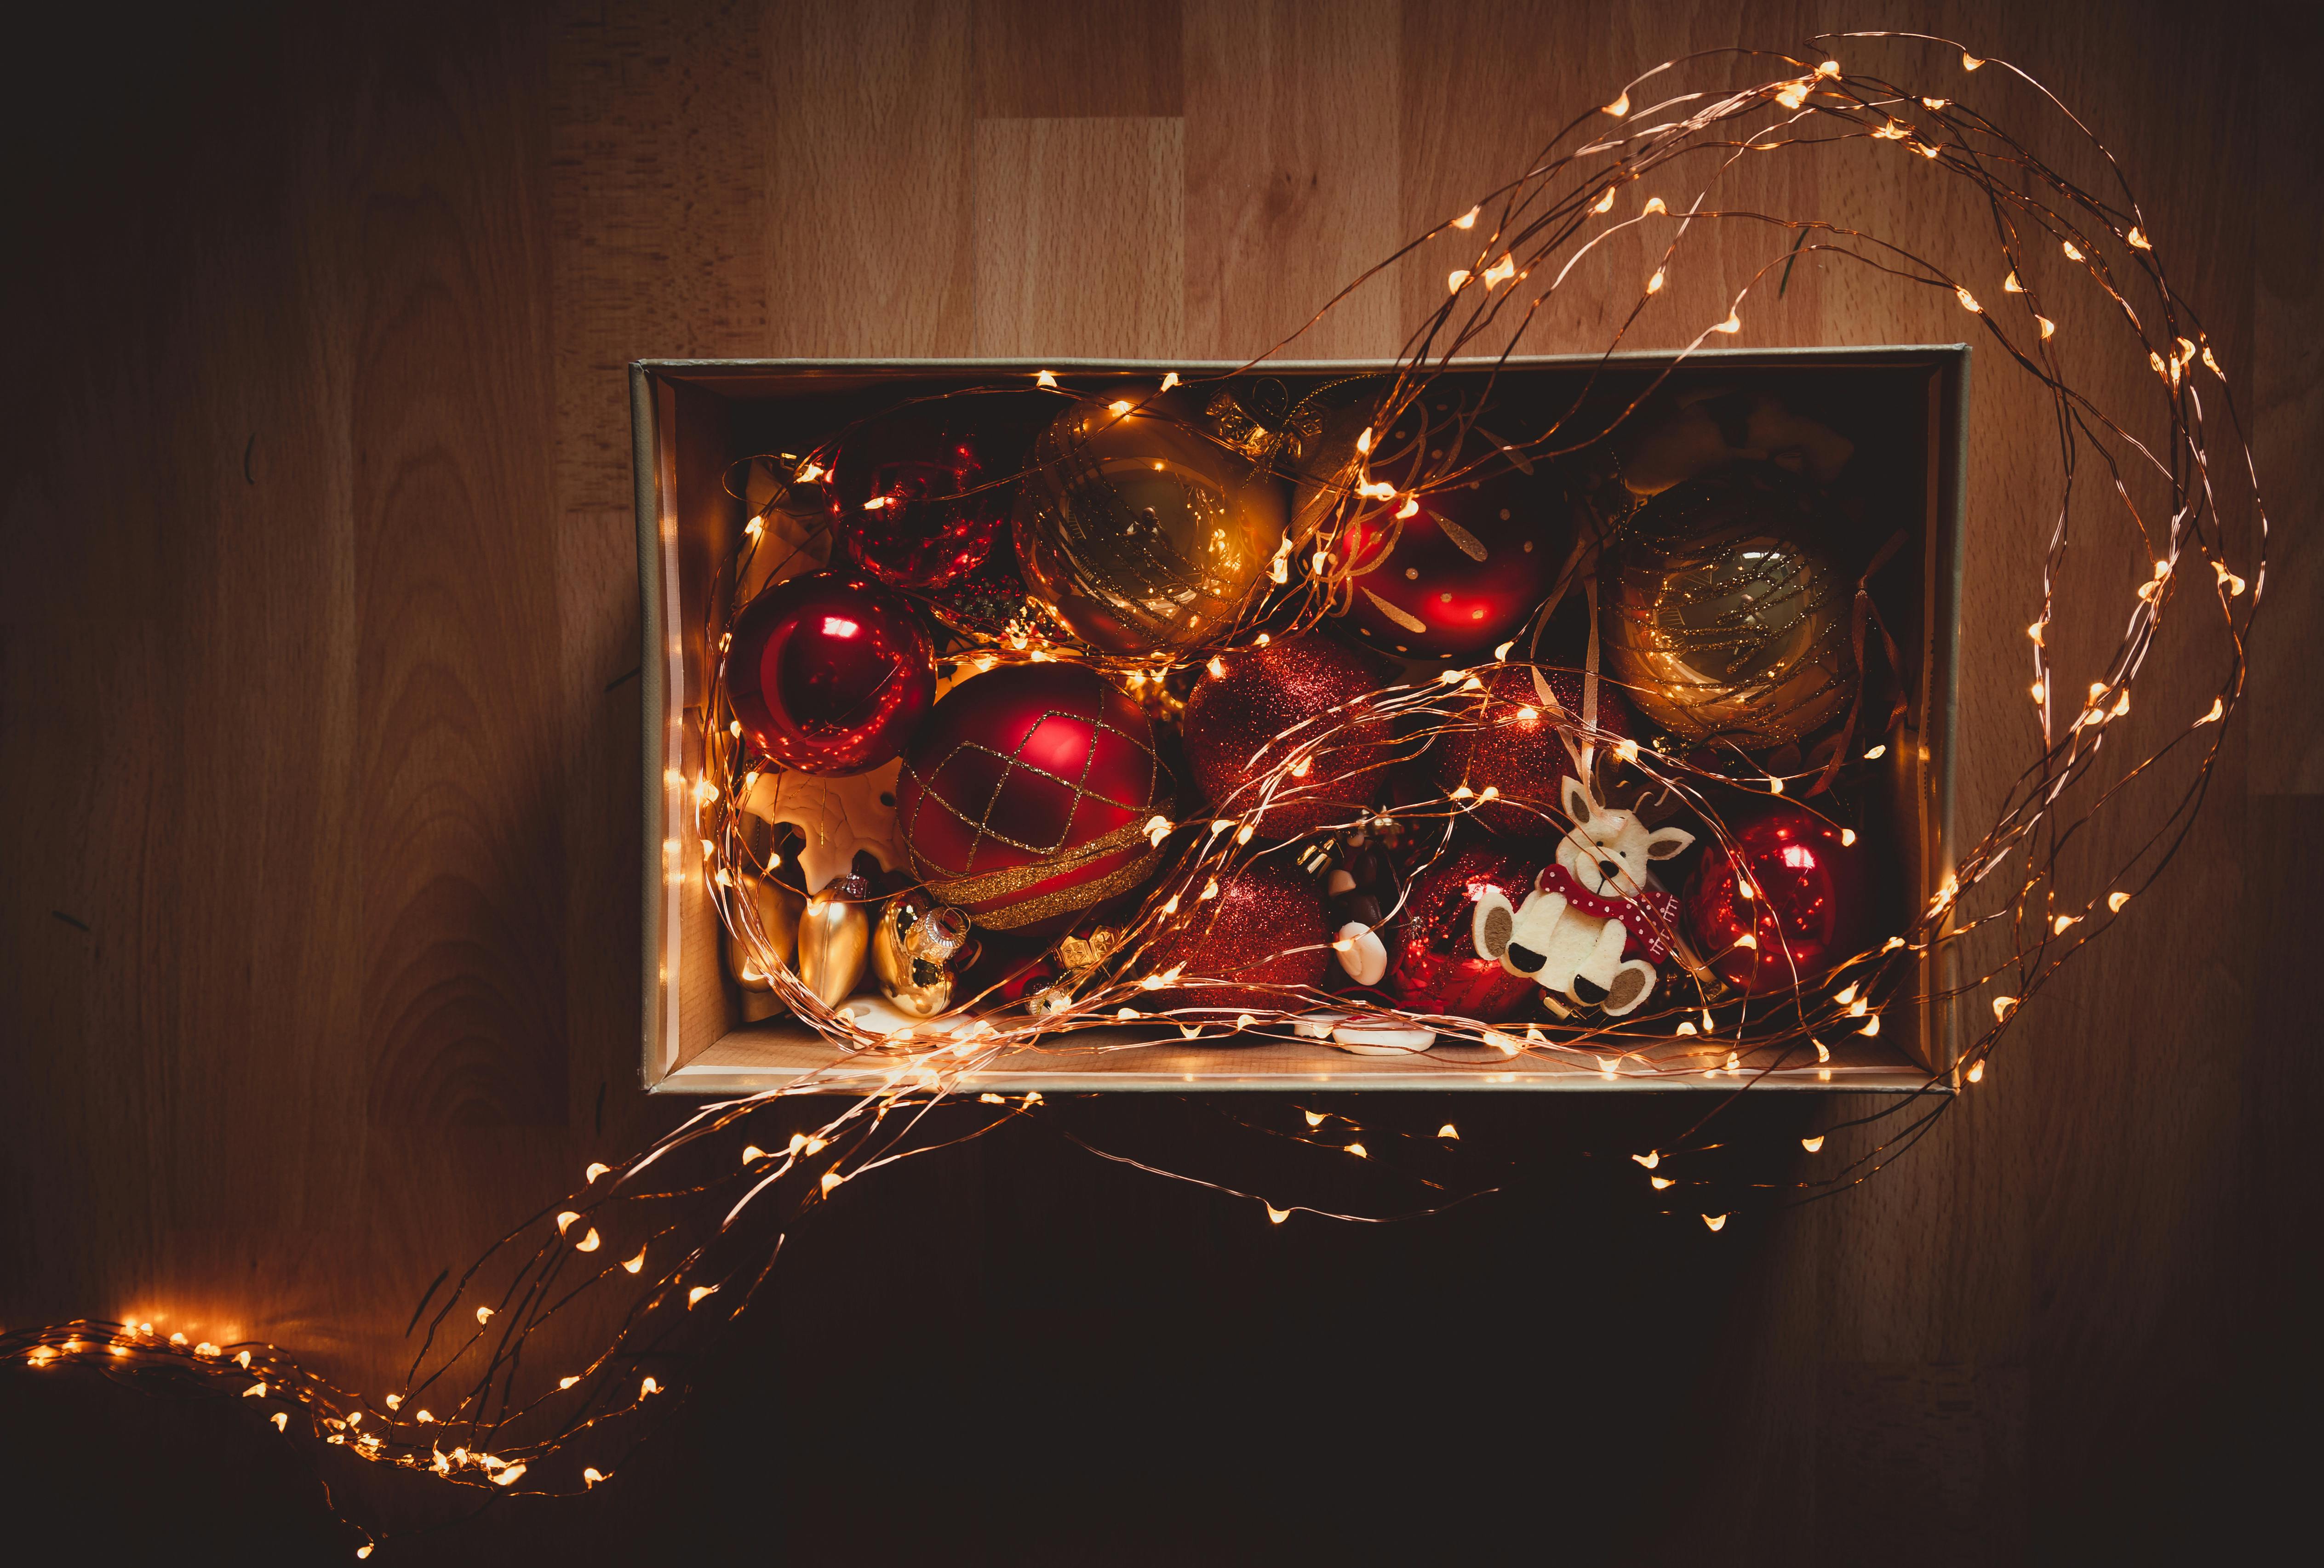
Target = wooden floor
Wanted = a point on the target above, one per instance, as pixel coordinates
(320, 761)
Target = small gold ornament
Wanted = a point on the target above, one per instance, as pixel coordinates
(835, 938)
(779, 910)
(912, 951)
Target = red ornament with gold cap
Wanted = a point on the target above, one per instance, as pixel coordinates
(1025, 797)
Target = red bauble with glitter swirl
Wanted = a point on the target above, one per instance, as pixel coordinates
(920, 495)
(1433, 962)
(1300, 701)
(1504, 738)
(1808, 907)
(1264, 926)
(1024, 797)
(829, 673)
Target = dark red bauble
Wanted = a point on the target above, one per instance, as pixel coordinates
(1466, 569)
(940, 472)
(1025, 796)
(1810, 903)
(1265, 927)
(1433, 962)
(1301, 699)
(1505, 738)
(829, 673)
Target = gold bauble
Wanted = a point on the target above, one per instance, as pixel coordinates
(779, 910)
(834, 936)
(1138, 532)
(914, 944)
(1726, 623)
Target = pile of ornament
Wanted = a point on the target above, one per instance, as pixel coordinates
(1322, 708)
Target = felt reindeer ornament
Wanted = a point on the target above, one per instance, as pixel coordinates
(1590, 930)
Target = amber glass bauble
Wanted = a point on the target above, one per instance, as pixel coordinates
(1298, 703)
(1141, 533)
(1809, 903)
(1507, 739)
(1727, 621)
(1025, 796)
(1264, 926)
(1454, 561)
(829, 673)
(1433, 962)
(920, 496)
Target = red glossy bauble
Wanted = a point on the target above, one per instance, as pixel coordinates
(1505, 738)
(829, 673)
(1025, 796)
(1478, 553)
(1265, 927)
(1809, 905)
(1299, 699)
(940, 474)
(1433, 962)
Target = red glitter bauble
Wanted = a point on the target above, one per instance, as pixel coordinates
(1433, 962)
(920, 496)
(1264, 926)
(1473, 559)
(828, 673)
(1809, 903)
(1256, 709)
(1025, 796)
(1506, 739)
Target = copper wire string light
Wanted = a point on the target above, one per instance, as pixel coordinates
(678, 1238)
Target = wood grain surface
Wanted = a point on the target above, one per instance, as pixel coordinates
(318, 767)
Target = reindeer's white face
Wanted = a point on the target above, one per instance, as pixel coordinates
(1607, 851)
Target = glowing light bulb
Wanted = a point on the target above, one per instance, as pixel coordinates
(1467, 220)
(1650, 1158)
(1659, 1182)
(1619, 107)
(1977, 1070)
(1655, 283)
(588, 1243)
(1716, 1221)
(1359, 1151)
(1454, 279)
(1044, 379)
(694, 1295)
(1812, 1144)
(1276, 1217)
(2115, 901)
(1733, 323)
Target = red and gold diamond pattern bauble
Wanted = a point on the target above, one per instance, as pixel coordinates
(1024, 798)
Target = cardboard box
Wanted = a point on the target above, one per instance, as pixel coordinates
(694, 419)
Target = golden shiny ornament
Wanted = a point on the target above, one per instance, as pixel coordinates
(915, 948)
(1727, 623)
(835, 939)
(1141, 533)
(1255, 415)
(779, 910)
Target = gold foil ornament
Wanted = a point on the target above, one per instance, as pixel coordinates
(779, 909)
(1140, 533)
(913, 947)
(835, 937)
(1727, 623)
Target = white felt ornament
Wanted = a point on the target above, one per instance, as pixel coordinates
(837, 817)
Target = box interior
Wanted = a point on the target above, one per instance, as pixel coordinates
(694, 419)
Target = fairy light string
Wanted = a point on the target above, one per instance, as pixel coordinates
(681, 1237)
